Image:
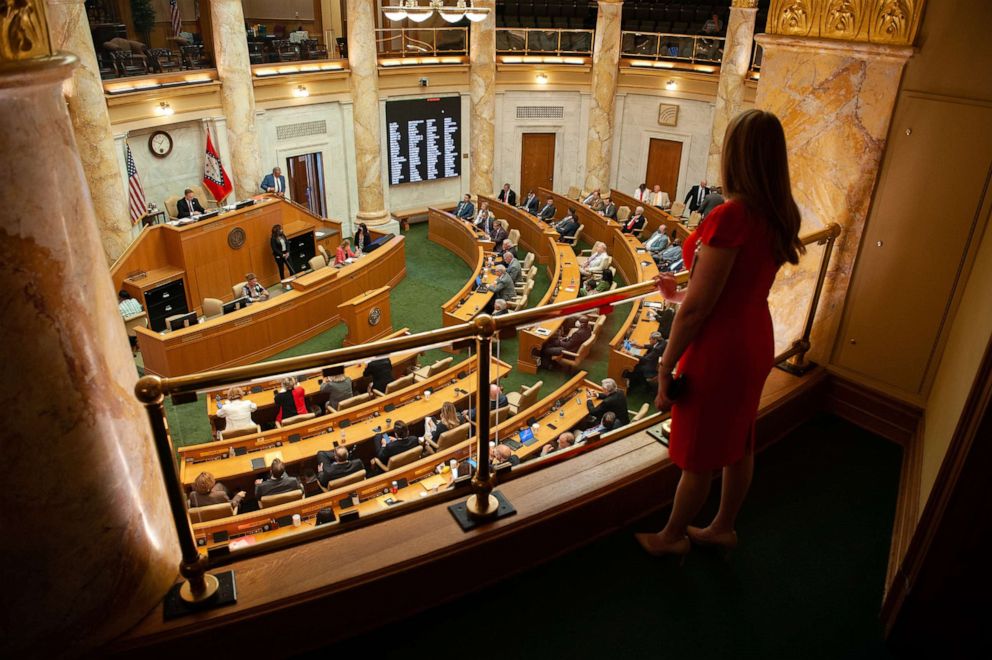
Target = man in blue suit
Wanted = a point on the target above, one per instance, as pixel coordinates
(465, 209)
(274, 183)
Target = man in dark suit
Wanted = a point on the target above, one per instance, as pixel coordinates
(507, 196)
(507, 246)
(465, 209)
(610, 210)
(711, 201)
(548, 211)
(331, 466)
(499, 233)
(503, 454)
(531, 203)
(496, 400)
(278, 481)
(274, 183)
(694, 199)
(564, 341)
(188, 205)
(380, 372)
(613, 400)
(647, 365)
(402, 440)
(568, 225)
(634, 223)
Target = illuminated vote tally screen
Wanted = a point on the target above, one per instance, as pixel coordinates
(424, 139)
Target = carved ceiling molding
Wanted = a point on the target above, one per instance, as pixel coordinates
(23, 30)
(893, 22)
(744, 4)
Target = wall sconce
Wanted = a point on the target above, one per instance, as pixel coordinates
(165, 109)
(542, 79)
(670, 85)
(301, 91)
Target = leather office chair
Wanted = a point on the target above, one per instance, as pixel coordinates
(396, 385)
(529, 276)
(213, 307)
(323, 253)
(498, 416)
(514, 237)
(237, 433)
(574, 238)
(451, 437)
(279, 498)
(399, 460)
(200, 514)
(356, 400)
(623, 214)
(678, 208)
(294, 419)
(528, 261)
(574, 192)
(238, 289)
(520, 301)
(572, 360)
(170, 207)
(317, 262)
(525, 398)
(426, 372)
(346, 480)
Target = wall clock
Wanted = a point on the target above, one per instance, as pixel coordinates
(160, 144)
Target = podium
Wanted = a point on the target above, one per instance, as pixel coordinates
(367, 316)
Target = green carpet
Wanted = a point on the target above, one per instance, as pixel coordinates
(433, 276)
(806, 581)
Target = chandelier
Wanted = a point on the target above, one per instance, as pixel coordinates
(418, 14)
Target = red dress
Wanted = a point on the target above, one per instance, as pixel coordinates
(727, 363)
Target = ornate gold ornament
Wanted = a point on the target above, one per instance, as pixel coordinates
(23, 30)
(893, 22)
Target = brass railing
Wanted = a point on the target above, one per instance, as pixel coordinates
(691, 48)
(481, 505)
(544, 41)
(421, 42)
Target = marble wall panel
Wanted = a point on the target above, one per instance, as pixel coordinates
(182, 168)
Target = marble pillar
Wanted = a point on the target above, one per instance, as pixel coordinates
(483, 90)
(237, 95)
(70, 33)
(89, 543)
(363, 61)
(835, 101)
(605, 60)
(733, 71)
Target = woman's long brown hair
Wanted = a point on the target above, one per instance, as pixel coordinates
(755, 169)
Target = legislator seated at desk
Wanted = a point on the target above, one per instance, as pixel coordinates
(547, 212)
(337, 386)
(609, 210)
(290, 400)
(207, 491)
(635, 223)
(400, 441)
(362, 237)
(335, 465)
(237, 412)
(380, 372)
(571, 335)
(277, 482)
(513, 267)
(274, 183)
(503, 286)
(594, 201)
(659, 198)
(611, 400)
(253, 289)
(344, 255)
(646, 368)
(563, 441)
(567, 226)
(188, 205)
(597, 284)
(496, 400)
(507, 195)
(465, 209)
(607, 423)
(531, 203)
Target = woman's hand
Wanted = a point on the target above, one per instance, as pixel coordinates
(667, 286)
(661, 401)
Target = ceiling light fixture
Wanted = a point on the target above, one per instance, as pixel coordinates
(542, 79)
(418, 13)
(670, 85)
(301, 91)
(165, 109)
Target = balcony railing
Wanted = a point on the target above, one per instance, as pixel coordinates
(543, 41)
(421, 42)
(692, 49)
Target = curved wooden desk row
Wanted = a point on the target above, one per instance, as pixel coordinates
(473, 247)
(240, 459)
(560, 411)
(653, 216)
(534, 234)
(565, 283)
(265, 328)
(371, 495)
(262, 392)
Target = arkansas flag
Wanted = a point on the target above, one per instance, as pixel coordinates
(214, 177)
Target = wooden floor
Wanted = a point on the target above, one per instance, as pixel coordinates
(421, 559)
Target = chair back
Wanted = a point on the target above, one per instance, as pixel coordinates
(354, 401)
(574, 192)
(323, 253)
(200, 514)
(212, 307)
(317, 262)
(132, 322)
(400, 383)
(407, 457)
(528, 261)
(640, 414)
(531, 273)
(452, 437)
(529, 396)
(280, 498)
(170, 206)
(514, 236)
(623, 214)
(500, 414)
(346, 480)
(237, 289)
(521, 300)
(438, 366)
(286, 421)
(237, 433)
(695, 218)
(678, 208)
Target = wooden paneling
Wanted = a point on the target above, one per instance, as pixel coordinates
(664, 158)
(537, 162)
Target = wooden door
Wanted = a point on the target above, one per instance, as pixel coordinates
(537, 163)
(664, 159)
(305, 180)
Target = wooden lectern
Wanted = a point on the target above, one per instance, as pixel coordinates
(367, 316)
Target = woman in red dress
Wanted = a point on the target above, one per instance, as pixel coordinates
(721, 340)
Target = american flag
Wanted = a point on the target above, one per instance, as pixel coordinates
(177, 19)
(135, 193)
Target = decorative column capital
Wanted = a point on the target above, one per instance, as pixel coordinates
(893, 22)
(744, 4)
(23, 31)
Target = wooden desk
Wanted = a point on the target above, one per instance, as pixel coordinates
(565, 283)
(653, 216)
(638, 326)
(266, 524)
(596, 227)
(230, 461)
(457, 235)
(265, 328)
(534, 234)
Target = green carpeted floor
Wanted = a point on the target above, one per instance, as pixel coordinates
(805, 583)
(433, 276)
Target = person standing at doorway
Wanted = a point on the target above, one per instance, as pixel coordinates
(274, 183)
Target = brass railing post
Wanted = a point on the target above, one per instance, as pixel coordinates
(482, 504)
(200, 586)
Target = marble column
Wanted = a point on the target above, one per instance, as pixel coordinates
(733, 71)
(363, 61)
(237, 94)
(483, 89)
(89, 545)
(605, 60)
(70, 33)
(835, 101)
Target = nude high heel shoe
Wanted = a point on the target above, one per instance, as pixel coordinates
(651, 545)
(726, 541)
